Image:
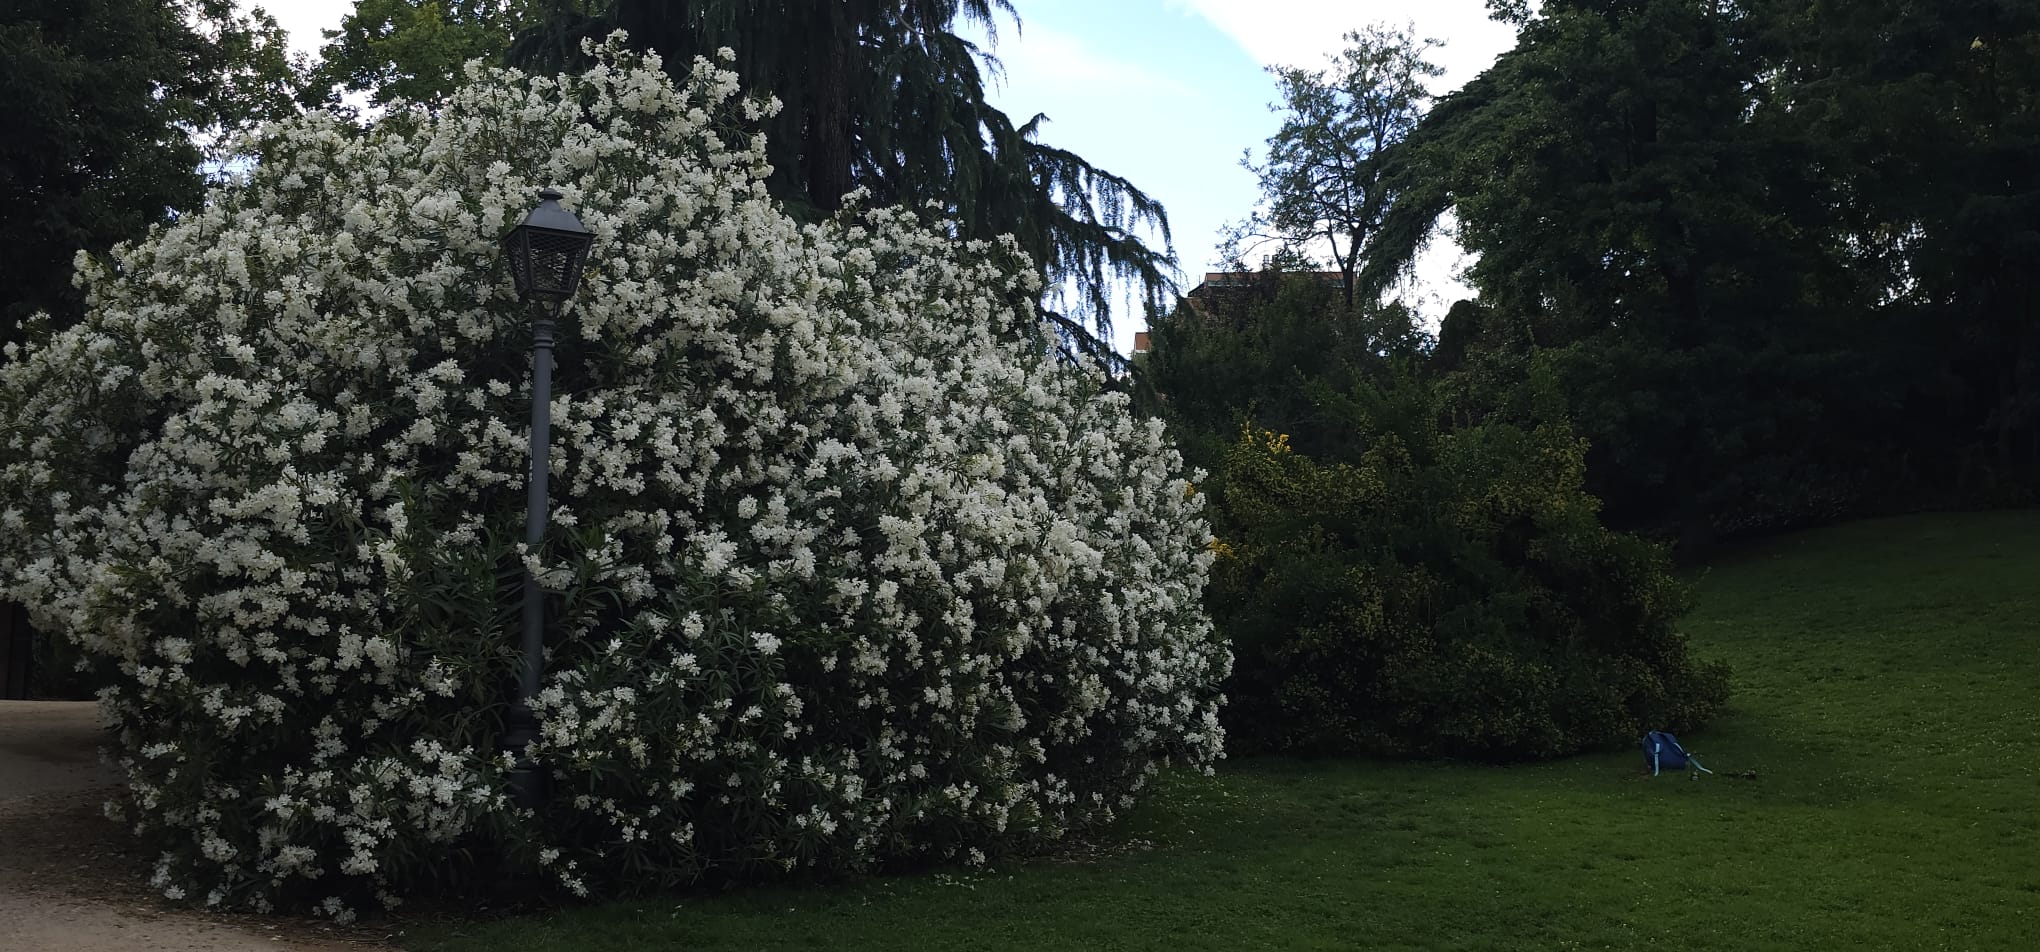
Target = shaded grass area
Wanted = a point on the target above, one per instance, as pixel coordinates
(1888, 701)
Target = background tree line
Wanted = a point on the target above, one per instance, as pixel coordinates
(1778, 256)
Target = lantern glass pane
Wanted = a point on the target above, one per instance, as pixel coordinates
(514, 252)
(555, 262)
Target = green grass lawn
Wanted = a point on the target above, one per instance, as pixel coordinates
(1888, 698)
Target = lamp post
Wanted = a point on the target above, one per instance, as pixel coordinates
(546, 253)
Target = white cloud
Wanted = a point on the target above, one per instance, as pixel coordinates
(1040, 56)
(1304, 32)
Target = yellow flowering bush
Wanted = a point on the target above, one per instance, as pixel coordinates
(1396, 578)
(1443, 594)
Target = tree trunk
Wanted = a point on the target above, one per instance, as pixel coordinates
(829, 139)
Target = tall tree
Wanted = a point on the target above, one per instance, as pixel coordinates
(115, 104)
(1327, 183)
(884, 95)
(1780, 254)
(1642, 240)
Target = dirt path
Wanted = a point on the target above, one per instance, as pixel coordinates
(72, 881)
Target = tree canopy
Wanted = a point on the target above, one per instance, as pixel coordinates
(413, 49)
(1329, 179)
(1781, 253)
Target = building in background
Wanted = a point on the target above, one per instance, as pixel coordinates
(1227, 286)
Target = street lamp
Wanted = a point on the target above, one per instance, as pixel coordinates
(546, 254)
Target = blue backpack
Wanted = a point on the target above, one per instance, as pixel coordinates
(1662, 751)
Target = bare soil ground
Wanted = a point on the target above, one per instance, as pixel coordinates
(71, 880)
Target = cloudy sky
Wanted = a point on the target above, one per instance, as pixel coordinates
(1168, 93)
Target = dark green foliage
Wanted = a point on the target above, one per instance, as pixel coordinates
(1631, 244)
(1445, 595)
(1925, 120)
(69, 184)
(1778, 255)
(1259, 350)
(1395, 586)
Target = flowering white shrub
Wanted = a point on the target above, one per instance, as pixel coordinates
(845, 568)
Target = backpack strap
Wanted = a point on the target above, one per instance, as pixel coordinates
(1655, 746)
(1695, 761)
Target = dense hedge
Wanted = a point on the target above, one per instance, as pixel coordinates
(1451, 598)
(1395, 584)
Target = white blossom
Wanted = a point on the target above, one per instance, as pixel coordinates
(844, 564)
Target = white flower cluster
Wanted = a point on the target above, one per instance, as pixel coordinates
(845, 566)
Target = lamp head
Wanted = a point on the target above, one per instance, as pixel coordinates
(547, 251)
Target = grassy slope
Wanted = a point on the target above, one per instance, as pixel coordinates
(1887, 700)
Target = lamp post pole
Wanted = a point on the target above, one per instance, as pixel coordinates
(525, 780)
(546, 254)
